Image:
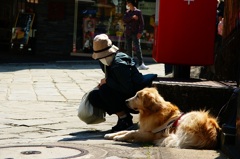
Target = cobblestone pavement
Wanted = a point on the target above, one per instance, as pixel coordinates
(38, 117)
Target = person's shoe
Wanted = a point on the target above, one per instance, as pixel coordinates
(123, 124)
(143, 67)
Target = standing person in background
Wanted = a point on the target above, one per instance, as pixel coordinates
(134, 22)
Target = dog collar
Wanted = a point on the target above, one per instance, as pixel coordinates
(172, 122)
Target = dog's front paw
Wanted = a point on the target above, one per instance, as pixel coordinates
(123, 139)
(108, 136)
(118, 138)
(113, 137)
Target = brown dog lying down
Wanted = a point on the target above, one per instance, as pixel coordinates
(162, 123)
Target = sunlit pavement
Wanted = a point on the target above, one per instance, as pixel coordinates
(38, 117)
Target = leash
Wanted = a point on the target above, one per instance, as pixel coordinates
(225, 106)
(172, 122)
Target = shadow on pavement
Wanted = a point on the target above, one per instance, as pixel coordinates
(86, 135)
(99, 135)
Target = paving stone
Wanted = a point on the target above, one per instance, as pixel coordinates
(38, 106)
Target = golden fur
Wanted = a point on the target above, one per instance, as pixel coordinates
(196, 129)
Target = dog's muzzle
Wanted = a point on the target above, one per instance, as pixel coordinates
(128, 105)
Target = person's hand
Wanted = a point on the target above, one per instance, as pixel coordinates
(103, 81)
(135, 17)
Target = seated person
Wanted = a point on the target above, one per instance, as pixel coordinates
(122, 81)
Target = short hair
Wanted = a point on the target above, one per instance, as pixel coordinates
(131, 1)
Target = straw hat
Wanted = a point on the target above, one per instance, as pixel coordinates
(103, 47)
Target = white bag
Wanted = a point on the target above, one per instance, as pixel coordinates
(89, 114)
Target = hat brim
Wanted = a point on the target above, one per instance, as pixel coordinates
(106, 53)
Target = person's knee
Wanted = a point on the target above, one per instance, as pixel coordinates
(93, 95)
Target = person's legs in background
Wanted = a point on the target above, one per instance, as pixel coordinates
(136, 43)
(129, 46)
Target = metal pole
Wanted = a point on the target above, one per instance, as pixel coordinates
(75, 26)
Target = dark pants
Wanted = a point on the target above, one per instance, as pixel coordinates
(109, 100)
(132, 39)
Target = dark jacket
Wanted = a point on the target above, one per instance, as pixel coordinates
(133, 26)
(124, 77)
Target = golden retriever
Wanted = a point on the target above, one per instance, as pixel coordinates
(162, 123)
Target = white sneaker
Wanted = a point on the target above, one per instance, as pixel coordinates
(143, 67)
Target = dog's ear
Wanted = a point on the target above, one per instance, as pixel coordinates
(150, 102)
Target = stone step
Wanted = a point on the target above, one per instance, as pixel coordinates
(196, 94)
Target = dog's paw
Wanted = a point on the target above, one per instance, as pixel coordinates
(108, 136)
(117, 138)
(122, 139)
